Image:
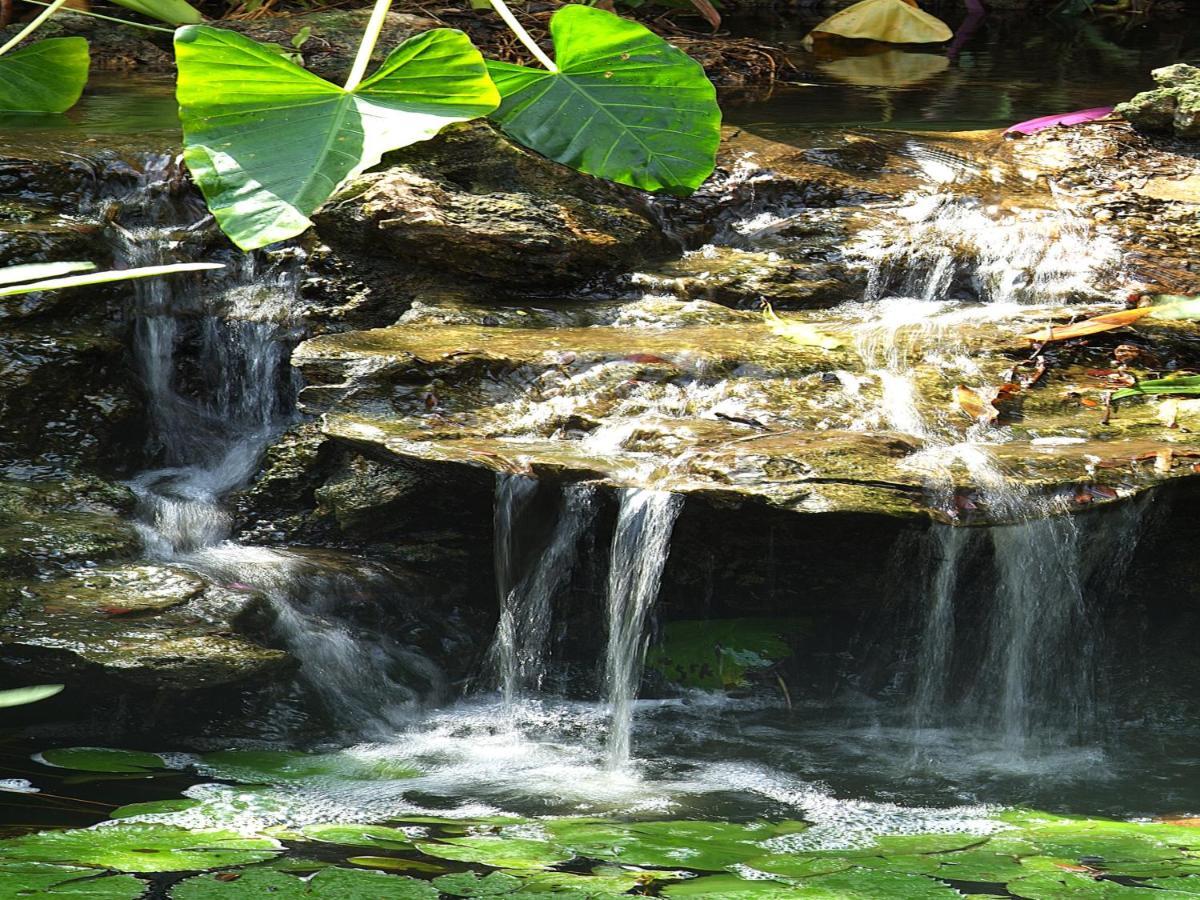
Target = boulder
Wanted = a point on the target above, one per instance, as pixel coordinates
(472, 206)
(1174, 106)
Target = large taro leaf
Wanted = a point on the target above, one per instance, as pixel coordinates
(44, 77)
(138, 848)
(173, 12)
(624, 104)
(268, 142)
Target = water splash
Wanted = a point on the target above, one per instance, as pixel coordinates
(639, 552)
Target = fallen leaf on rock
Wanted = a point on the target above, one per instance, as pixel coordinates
(974, 405)
(798, 332)
(1095, 325)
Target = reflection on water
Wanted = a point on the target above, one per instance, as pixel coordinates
(1002, 72)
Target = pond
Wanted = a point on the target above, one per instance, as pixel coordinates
(980, 731)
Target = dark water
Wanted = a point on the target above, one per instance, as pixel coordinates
(1008, 68)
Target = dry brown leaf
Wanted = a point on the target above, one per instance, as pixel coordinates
(974, 405)
(1095, 325)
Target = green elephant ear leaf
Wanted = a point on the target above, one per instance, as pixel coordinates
(44, 77)
(268, 142)
(173, 12)
(624, 104)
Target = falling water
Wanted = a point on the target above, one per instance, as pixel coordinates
(936, 650)
(1035, 671)
(639, 552)
(214, 366)
(518, 651)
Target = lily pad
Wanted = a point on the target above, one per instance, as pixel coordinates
(472, 884)
(102, 759)
(153, 807)
(139, 847)
(34, 879)
(275, 766)
(731, 887)
(328, 884)
(1047, 886)
(395, 864)
(22, 696)
(705, 846)
(717, 654)
(499, 851)
(359, 836)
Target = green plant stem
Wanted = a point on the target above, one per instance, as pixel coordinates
(524, 36)
(95, 15)
(32, 26)
(369, 39)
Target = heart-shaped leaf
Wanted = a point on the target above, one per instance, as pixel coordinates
(45, 77)
(624, 104)
(174, 12)
(269, 142)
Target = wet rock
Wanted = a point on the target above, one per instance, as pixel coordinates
(473, 205)
(1174, 106)
(53, 522)
(140, 626)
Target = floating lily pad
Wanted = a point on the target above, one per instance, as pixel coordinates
(359, 836)
(153, 807)
(273, 766)
(706, 846)
(795, 865)
(603, 881)
(731, 887)
(134, 847)
(718, 654)
(328, 884)
(35, 879)
(395, 864)
(1046, 886)
(499, 851)
(472, 884)
(102, 759)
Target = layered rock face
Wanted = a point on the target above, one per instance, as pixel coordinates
(473, 310)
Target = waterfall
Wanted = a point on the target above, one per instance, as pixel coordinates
(935, 652)
(640, 548)
(518, 650)
(213, 363)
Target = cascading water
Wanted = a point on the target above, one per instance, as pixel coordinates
(214, 367)
(518, 651)
(1035, 675)
(639, 552)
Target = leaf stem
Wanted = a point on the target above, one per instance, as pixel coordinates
(32, 26)
(524, 36)
(369, 39)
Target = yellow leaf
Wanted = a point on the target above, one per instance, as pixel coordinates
(799, 332)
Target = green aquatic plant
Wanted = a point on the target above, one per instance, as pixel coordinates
(715, 655)
(618, 102)
(139, 847)
(67, 882)
(102, 759)
(328, 884)
(267, 142)
(45, 77)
